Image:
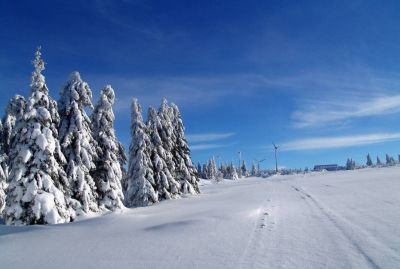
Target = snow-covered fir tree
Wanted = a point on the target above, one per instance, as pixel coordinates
(232, 174)
(244, 169)
(108, 172)
(200, 170)
(37, 182)
(204, 171)
(239, 172)
(78, 145)
(141, 187)
(3, 171)
(167, 186)
(378, 161)
(185, 172)
(350, 164)
(14, 113)
(253, 172)
(167, 134)
(369, 160)
(212, 169)
(223, 170)
(390, 160)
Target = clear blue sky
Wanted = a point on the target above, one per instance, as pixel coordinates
(320, 78)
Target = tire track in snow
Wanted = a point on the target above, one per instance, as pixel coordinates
(351, 235)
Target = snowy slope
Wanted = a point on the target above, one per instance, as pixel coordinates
(333, 220)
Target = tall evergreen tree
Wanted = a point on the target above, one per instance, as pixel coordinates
(78, 145)
(9, 131)
(37, 182)
(141, 187)
(14, 113)
(212, 169)
(239, 172)
(200, 172)
(378, 161)
(205, 172)
(223, 169)
(369, 160)
(253, 170)
(232, 174)
(167, 186)
(244, 169)
(350, 164)
(185, 172)
(167, 134)
(108, 172)
(3, 171)
(389, 160)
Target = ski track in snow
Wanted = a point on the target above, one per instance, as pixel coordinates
(332, 221)
(254, 247)
(353, 233)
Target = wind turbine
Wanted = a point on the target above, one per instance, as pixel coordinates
(258, 163)
(276, 158)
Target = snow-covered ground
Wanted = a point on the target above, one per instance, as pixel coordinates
(348, 219)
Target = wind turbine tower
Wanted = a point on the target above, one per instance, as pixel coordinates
(276, 158)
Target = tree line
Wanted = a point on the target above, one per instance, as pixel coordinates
(57, 162)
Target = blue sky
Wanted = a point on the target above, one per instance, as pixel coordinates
(319, 78)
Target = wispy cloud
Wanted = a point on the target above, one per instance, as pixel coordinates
(320, 113)
(208, 146)
(194, 138)
(184, 90)
(316, 143)
(314, 92)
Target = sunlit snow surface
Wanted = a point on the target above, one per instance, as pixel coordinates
(348, 219)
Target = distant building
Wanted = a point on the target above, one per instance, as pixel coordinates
(327, 167)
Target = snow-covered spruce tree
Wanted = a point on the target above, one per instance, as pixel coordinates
(224, 170)
(108, 172)
(185, 172)
(200, 172)
(9, 129)
(167, 186)
(3, 171)
(212, 170)
(369, 160)
(390, 160)
(78, 145)
(378, 161)
(167, 134)
(141, 188)
(253, 172)
(239, 172)
(244, 169)
(350, 164)
(204, 172)
(232, 172)
(37, 182)
(14, 113)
